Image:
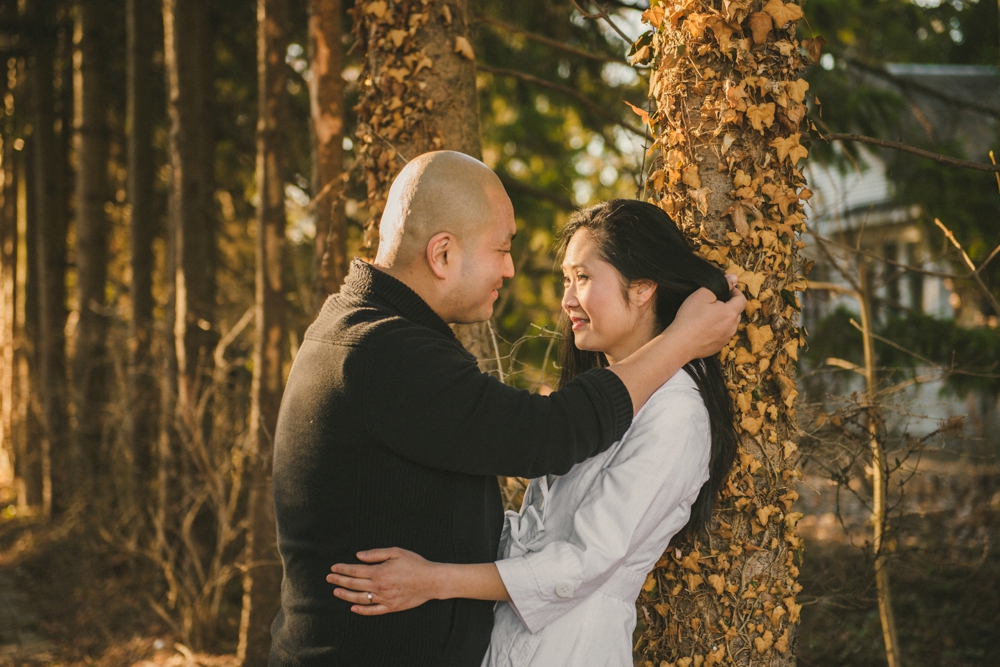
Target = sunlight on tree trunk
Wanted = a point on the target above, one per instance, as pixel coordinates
(8, 309)
(418, 94)
(262, 576)
(727, 108)
(326, 93)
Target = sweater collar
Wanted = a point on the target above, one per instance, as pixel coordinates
(366, 281)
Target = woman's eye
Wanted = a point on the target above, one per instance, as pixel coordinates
(582, 276)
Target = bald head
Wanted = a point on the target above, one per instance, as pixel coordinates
(442, 191)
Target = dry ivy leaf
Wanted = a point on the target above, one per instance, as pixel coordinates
(737, 212)
(650, 583)
(793, 610)
(764, 514)
(653, 16)
(397, 37)
(446, 14)
(761, 116)
(753, 281)
(782, 13)
(696, 23)
(790, 448)
(464, 47)
(751, 425)
(718, 582)
(784, 47)
(759, 337)
(690, 176)
(716, 656)
(690, 562)
(760, 24)
(723, 32)
(741, 178)
(727, 141)
(789, 147)
(639, 112)
(797, 89)
(782, 643)
(376, 8)
(764, 642)
(693, 581)
(792, 349)
(700, 198)
(814, 47)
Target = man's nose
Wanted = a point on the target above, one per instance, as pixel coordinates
(508, 267)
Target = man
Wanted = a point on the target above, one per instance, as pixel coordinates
(389, 434)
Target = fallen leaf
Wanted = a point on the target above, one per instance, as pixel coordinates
(782, 12)
(760, 24)
(690, 176)
(693, 580)
(690, 562)
(650, 583)
(738, 213)
(727, 141)
(700, 197)
(464, 47)
(764, 642)
(446, 14)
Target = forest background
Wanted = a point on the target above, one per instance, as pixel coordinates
(184, 183)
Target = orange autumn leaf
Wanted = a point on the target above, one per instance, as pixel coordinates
(789, 147)
(760, 25)
(783, 13)
(761, 115)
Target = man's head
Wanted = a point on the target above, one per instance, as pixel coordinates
(446, 232)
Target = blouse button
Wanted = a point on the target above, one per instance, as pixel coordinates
(564, 590)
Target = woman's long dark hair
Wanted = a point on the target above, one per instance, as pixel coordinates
(642, 243)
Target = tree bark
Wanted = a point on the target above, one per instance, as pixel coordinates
(262, 578)
(91, 376)
(728, 108)
(419, 95)
(8, 307)
(50, 195)
(187, 57)
(326, 89)
(141, 415)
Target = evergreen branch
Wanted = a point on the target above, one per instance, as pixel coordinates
(906, 148)
(564, 90)
(556, 44)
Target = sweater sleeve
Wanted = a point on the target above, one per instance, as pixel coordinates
(426, 400)
(647, 488)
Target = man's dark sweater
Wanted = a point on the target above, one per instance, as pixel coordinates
(390, 435)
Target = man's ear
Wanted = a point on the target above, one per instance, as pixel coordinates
(439, 251)
(642, 292)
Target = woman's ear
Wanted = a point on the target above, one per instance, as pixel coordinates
(641, 292)
(438, 249)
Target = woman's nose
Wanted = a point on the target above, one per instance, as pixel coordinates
(569, 299)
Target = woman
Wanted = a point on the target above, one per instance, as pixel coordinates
(574, 559)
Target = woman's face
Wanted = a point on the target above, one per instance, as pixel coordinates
(602, 318)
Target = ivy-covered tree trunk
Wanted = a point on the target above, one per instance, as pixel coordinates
(326, 97)
(262, 576)
(728, 105)
(418, 95)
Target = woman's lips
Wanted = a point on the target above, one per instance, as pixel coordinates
(578, 322)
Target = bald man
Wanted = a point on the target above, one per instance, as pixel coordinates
(389, 434)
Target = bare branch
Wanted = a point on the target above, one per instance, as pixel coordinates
(972, 267)
(556, 44)
(602, 13)
(923, 88)
(905, 148)
(945, 369)
(569, 92)
(562, 202)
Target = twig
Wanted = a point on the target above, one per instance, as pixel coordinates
(530, 190)
(569, 92)
(905, 148)
(925, 89)
(954, 371)
(602, 13)
(496, 351)
(972, 267)
(548, 41)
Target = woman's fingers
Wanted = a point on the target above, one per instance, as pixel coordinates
(356, 571)
(357, 597)
(370, 609)
(352, 583)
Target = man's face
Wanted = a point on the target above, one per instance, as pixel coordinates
(485, 263)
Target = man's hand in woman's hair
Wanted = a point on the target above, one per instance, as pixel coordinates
(708, 323)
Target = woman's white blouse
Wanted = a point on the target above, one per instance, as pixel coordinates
(575, 558)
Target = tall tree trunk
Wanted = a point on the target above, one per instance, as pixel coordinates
(728, 111)
(141, 415)
(326, 89)
(419, 95)
(188, 60)
(50, 215)
(8, 306)
(91, 376)
(262, 578)
(30, 436)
